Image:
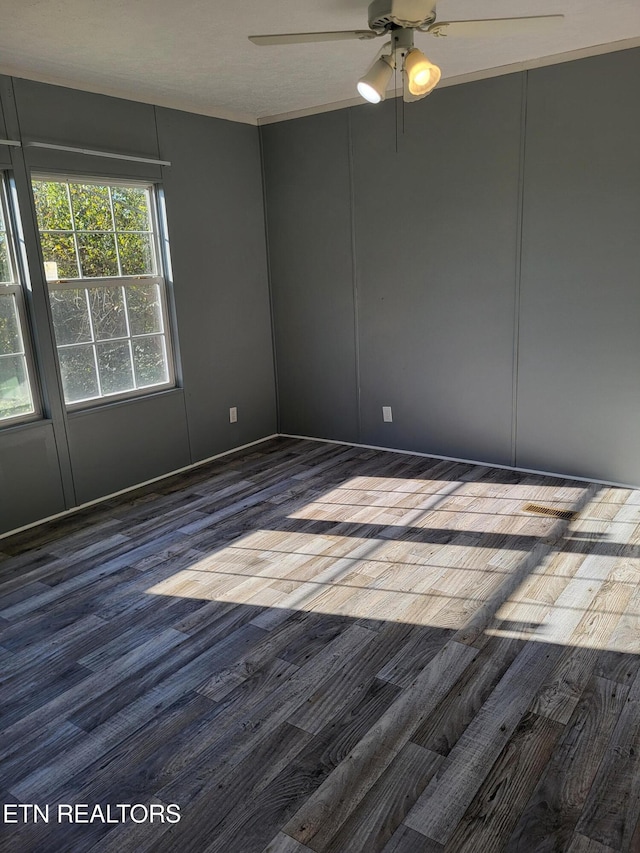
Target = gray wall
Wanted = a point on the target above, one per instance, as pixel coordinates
(220, 300)
(579, 367)
(307, 188)
(494, 262)
(226, 347)
(435, 256)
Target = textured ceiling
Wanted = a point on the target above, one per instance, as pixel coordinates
(194, 54)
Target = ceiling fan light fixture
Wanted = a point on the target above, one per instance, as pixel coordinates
(422, 76)
(373, 85)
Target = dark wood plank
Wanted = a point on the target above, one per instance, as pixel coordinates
(20, 593)
(130, 837)
(550, 817)
(581, 844)
(443, 804)
(260, 717)
(44, 685)
(184, 655)
(382, 810)
(45, 749)
(341, 793)
(22, 733)
(285, 844)
(423, 645)
(494, 811)
(353, 679)
(126, 773)
(612, 809)
(441, 730)
(244, 828)
(405, 840)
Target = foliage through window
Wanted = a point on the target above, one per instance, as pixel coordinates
(16, 395)
(102, 263)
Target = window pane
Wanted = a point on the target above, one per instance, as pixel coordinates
(70, 316)
(5, 266)
(91, 208)
(10, 339)
(15, 395)
(111, 340)
(59, 255)
(145, 310)
(52, 206)
(107, 313)
(136, 256)
(130, 208)
(97, 255)
(114, 363)
(78, 373)
(150, 361)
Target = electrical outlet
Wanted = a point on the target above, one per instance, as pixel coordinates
(387, 417)
(233, 415)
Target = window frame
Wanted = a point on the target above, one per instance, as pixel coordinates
(17, 262)
(160, 278)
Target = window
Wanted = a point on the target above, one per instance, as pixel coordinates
(102, 263)
(16, 395)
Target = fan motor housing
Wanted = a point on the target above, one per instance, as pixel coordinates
(385, 14)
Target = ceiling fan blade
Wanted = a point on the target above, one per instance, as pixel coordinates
(495, 26)
(303, 38)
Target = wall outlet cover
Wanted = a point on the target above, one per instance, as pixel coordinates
(387, 416)
(233, 415)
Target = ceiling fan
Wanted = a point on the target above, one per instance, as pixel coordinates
(400, 20)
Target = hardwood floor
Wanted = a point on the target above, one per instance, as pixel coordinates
(310, 647)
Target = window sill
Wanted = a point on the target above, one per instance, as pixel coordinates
(35, 422)
(96, 406)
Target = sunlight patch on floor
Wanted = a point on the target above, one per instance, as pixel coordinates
(458, 555)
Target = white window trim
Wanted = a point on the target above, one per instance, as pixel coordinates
(159, 277)
(16, 288)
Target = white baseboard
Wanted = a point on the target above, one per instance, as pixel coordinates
(466, 461)
(201, 462)
(67, 512)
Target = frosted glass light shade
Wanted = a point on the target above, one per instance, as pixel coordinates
(422, 75)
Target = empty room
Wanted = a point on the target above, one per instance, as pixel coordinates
(320, 426)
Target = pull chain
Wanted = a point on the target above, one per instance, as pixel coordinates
(395, 95)
(396, 115)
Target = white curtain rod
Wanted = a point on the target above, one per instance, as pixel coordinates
(91, 152)
(13, 142)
